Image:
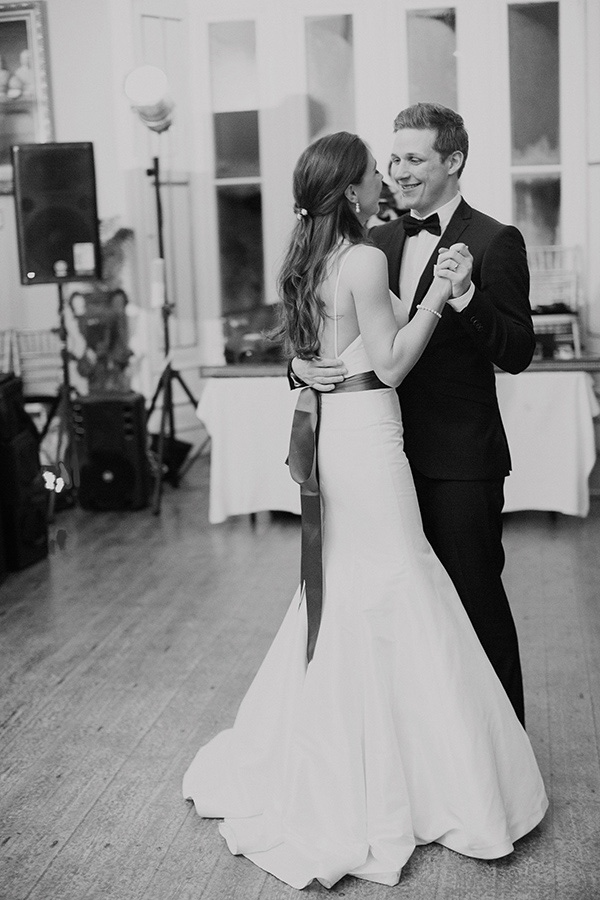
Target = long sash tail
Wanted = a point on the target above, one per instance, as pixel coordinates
(304, 469)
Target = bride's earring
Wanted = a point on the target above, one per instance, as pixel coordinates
(357, 207)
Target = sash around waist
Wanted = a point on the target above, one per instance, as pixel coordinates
(305, 424)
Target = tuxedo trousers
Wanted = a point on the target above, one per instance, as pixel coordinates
(462, 521)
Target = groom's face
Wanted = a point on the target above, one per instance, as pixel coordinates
(426, 181)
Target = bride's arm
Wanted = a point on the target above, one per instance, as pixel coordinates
(392, 351)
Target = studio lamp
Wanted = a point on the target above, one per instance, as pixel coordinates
(147, 90)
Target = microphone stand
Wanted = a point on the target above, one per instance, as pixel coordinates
(164, 387)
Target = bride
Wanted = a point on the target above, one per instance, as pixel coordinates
(376, 722)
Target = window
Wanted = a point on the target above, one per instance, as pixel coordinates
(330, 74)
(240, 243)
(536, 208)
(432, 56)
(535, 122)
(235, 102)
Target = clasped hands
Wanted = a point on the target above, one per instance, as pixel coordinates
(454, 264)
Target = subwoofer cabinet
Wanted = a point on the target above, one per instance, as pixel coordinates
(112, 450)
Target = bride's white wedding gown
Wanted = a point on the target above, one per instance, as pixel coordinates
(398, 732)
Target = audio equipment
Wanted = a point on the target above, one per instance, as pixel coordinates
(3, 566)
(173, 456)
(23, 495)
(56, 212)
(24, 501)
(13, 415)
(111, 443)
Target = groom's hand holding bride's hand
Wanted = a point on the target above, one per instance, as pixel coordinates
(456, 265)
(320, 374)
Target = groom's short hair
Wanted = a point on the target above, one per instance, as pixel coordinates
(451, 133)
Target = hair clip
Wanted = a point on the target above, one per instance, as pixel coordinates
(300, 212)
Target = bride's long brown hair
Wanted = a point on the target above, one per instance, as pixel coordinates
(325, 216)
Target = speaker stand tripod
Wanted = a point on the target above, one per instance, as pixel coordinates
(164, 388)
(65, 464)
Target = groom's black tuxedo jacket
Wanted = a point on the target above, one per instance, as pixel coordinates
(452, 424)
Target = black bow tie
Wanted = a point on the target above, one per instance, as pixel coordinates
(414, 226)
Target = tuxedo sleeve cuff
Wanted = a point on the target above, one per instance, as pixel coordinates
(460, 303)
(293, 380)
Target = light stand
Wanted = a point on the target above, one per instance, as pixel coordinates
(147, 90)
(169, 374)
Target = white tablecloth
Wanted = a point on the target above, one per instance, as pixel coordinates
(548, 420)
(547, 415)
(249, 422)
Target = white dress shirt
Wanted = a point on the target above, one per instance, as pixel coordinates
(417, 250)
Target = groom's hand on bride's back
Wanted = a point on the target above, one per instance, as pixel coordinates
(320, 374)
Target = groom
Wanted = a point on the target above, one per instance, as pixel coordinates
(454, 438)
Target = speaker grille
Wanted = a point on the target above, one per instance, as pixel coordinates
(57, 218)
(110, 433)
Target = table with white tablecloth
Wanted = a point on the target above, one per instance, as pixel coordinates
(548, 416)
(249, 422)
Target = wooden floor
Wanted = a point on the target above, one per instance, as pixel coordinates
(133, 643)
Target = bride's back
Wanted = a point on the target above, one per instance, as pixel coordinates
(341, 312)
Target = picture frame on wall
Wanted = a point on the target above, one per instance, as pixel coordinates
(25, 98)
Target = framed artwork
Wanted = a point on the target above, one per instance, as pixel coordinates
(25, 103)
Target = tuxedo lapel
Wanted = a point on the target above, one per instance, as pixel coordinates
(451, 235)
(394, 260)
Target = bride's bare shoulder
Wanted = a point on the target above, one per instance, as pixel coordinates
(366, 262)
(367, 251)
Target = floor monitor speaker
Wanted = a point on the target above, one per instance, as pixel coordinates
(56, 212)
(111, 441)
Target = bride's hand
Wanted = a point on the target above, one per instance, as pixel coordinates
(455, 265)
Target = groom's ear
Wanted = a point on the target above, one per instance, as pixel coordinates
(455, 161)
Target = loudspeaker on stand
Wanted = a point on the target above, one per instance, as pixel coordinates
(56, 212)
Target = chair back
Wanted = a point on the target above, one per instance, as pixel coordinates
(7, 352)
(38, 362)
(555, 277)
